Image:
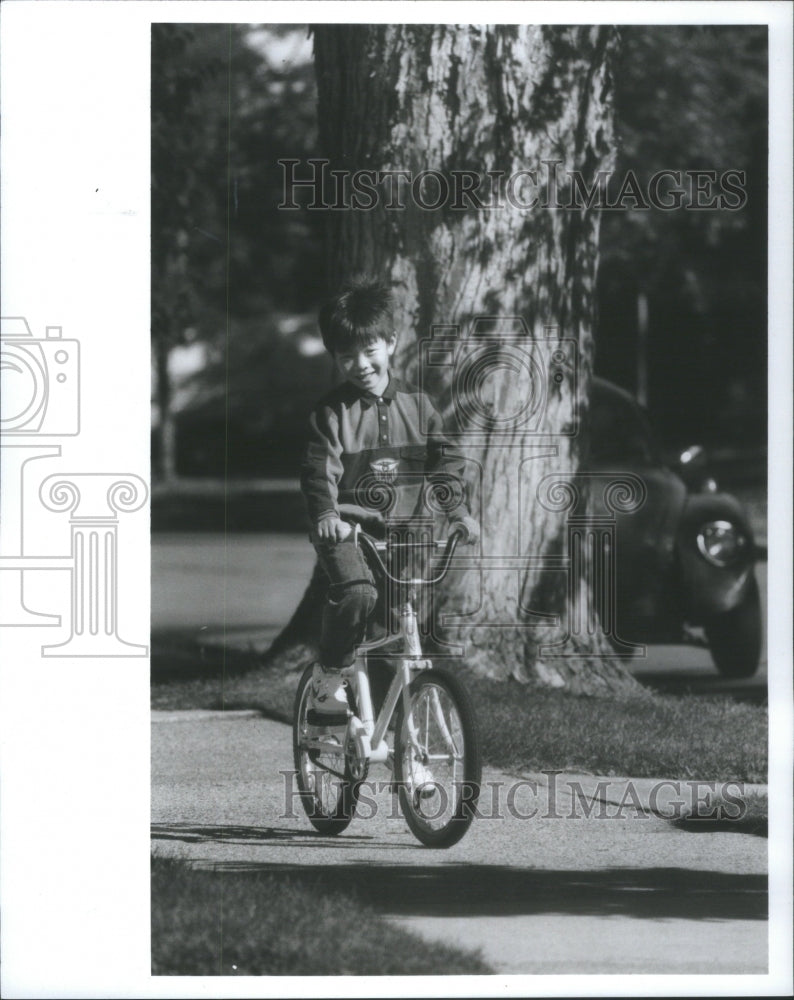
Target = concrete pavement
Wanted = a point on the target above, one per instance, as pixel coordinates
(540, 883)
(556, 875)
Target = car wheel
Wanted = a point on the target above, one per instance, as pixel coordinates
(735, 636)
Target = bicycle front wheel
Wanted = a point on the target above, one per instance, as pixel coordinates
(327, 773)
(437, 759)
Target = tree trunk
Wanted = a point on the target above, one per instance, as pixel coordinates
(513, 284)
(166, 428)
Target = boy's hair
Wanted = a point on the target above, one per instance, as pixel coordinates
(359, 314)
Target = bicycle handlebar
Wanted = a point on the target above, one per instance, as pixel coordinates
(449, 545)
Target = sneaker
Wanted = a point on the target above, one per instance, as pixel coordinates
(327, 697)
(421, 779)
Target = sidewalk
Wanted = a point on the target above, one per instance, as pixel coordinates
(543, 881)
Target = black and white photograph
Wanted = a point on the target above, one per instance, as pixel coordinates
(478, 637)
(457, 388)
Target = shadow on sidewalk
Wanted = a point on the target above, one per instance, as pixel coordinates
(470, 890)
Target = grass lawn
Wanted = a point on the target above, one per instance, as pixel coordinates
(667, 736)
(522, 728)
(208, 923)
(262, 923)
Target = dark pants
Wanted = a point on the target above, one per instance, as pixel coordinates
(351, 599)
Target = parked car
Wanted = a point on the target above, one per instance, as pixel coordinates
(686, 558)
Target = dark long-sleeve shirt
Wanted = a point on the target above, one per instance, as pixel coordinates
(349, 429)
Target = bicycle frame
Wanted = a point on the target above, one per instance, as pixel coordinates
(369, 733)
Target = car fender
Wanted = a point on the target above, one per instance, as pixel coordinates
(710, 589)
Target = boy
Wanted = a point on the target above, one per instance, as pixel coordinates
(369, 417)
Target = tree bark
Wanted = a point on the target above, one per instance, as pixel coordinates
(502, 98)
(166, 428)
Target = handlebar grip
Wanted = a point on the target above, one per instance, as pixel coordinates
(360, 513)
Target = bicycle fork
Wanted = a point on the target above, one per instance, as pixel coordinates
(414, 658)
(413, 653)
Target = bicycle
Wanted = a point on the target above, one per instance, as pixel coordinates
(434, 732)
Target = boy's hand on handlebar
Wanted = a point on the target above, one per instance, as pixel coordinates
(333, 529)
(469, 529)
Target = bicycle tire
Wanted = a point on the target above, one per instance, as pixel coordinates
(442, 817)
(330, 808)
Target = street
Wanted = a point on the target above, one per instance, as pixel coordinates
(245, 587)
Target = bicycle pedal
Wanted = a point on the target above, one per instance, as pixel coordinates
(315, 718)
(323, 744)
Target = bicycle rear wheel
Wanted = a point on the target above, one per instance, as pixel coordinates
(437, 759)
(328, 779)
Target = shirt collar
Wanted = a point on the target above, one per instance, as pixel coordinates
(369, 399)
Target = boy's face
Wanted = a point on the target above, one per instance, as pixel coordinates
(368, 367)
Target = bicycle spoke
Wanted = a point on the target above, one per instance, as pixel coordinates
(325, 773)
(436, 760)
(442, 722)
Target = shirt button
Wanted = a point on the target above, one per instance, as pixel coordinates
(383, 416)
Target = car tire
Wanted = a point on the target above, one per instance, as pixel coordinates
(735, 636)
